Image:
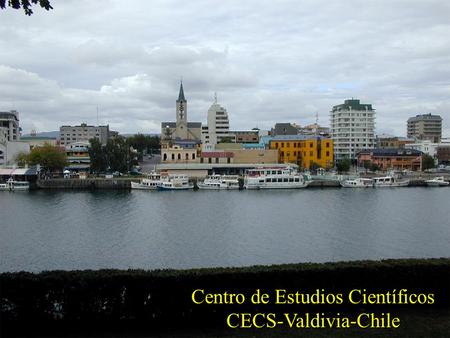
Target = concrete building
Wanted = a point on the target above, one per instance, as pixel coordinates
(182, 129)
(39, 141)
(9, 123)
(443, 154)
(427, 147)
(245, 136)
(10, 144)
(78, 156)
(391, 159)
(388, 141)
(83, 133)
(352, 129)
(304, 151)
(218, 125)
(425, 127)
(284, 129)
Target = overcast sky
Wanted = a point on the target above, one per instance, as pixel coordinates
(269, 61)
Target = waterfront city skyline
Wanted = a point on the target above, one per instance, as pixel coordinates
(268, 63)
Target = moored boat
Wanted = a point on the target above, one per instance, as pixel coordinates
(152, 182)
(12, 185)
(219, 182)
(357, 183)
(274, 178)
(437, 182)
(175, 182)
(389, 181)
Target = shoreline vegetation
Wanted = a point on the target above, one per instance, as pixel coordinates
(159, 302)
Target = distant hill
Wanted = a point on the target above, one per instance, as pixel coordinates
(53, 134)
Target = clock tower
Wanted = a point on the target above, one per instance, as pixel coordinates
(181, 125)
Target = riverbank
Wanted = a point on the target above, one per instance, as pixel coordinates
(155, 303)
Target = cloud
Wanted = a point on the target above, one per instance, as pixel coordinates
(268, 61)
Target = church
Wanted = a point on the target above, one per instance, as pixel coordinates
(181, 130)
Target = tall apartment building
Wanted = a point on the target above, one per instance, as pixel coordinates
(425, 127)
(9, 123)
(218, 125)
(352, 129)
(83, 132)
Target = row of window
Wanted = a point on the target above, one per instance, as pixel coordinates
(311, 153)
(299, 144)
(216, 160)
(186, 157)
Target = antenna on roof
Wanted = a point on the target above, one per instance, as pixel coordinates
(215, 97)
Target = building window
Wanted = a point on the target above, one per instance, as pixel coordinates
(228, 160)
(282, 144)
(276, 145)
(217, 160)
(209, 160)
(328, 144)
(179, 156)
(311, 153)
(310, 144)
(187, 156)
(193, 156)
(173, 156)
(328, 153)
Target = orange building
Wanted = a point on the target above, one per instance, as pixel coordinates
(397, 159)
(304, 151)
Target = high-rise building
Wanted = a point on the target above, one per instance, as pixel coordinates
(352, 129)
(218, 125)
(9, 122)
(425, 127)
(83, 133)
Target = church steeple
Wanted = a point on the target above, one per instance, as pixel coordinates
(181, 94)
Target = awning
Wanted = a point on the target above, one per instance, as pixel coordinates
(19, 172)
(6, 172)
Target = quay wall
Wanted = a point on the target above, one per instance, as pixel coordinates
(89, 183)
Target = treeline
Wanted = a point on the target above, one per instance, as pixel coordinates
(155, 300)
(120, 154)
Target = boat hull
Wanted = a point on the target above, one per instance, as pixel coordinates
(139, 186)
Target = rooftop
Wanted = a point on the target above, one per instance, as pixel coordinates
(353, 104)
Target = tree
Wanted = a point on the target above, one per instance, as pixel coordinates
(26, 5)
(144, 143)
(117, 154)
(344, 165)
(97, 155)
(427, 162)
(49, 157)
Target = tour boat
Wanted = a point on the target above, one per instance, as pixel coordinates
(175, 182)
(152, 182)
(274, 178)
(389, 181)
(219, 182)
(437, 182)
(12, 185)
(357, 183)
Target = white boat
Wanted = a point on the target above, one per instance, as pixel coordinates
(357, 183)
(220, 182)
(152, 182)
(274, 178)
(437, 182)
(175, 182)
(12, 185)
(389, 181)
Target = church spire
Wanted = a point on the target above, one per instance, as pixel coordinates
(181, 94)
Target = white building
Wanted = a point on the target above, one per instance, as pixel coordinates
(218, 125)
(352, 129)
(10, 145)
(427, 147)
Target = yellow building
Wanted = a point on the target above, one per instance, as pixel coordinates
(304, 150)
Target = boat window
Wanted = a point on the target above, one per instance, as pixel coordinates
(285, 179)
(280, 180)
(297, 179)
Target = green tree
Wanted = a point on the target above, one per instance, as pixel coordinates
(97, 155)
(343, 165)
(49, 157)
(117, 154)
(25, 4)
(427, 162)
(144, 143)
(21, 159)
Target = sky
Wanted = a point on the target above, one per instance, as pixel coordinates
(268, 61)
